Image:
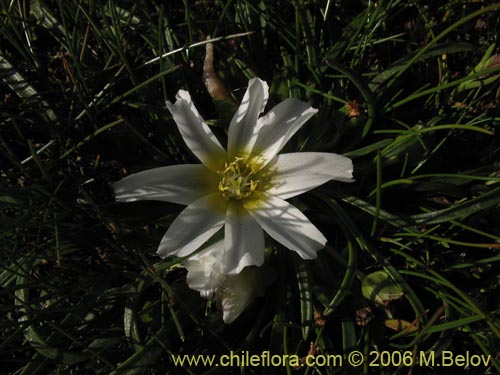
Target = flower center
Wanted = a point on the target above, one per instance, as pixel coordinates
(238, 180)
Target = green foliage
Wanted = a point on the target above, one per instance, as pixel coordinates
(408, 90)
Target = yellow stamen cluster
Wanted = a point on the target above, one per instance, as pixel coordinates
(237, 180)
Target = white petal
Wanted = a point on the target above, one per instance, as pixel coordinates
(204, 270)
(278, 126)
(181, 184)
(244, 240)
(194, 226)
(196, 133)
(243, 128)
(296, 173)
(239, 291)
(286, 224)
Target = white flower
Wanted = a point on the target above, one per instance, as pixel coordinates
(239, 291)
(233, 293)
(204, 270)
(243, 189)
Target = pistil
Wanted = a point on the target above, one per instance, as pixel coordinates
(238, 180)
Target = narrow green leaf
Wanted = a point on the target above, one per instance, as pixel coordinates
(305, 295)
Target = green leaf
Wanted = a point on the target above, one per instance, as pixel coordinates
(305, 295)
(379, 288)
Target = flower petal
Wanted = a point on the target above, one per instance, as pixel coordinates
(243, 128)
(196, 133)
(181, 184)
(296, 173)
(286, 224)
(204, 270)
(194, 226)
(239, 292)
(278, 126)
(244, 240)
